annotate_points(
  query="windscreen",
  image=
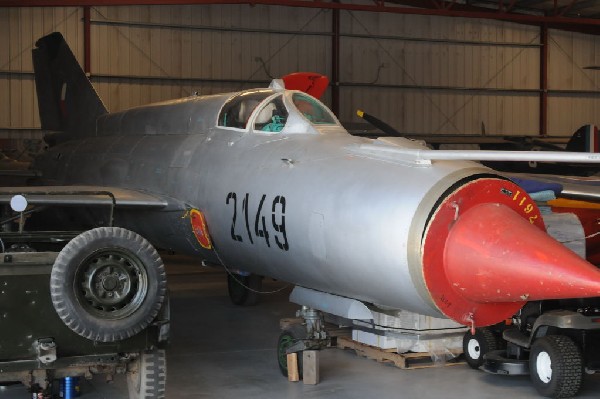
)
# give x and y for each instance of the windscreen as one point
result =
(312, 110)
(237, 111)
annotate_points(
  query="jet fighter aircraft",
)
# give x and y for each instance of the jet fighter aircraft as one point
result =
(267, 182)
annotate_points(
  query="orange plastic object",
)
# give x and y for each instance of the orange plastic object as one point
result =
(569, 203)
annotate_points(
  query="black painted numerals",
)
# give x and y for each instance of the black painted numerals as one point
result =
(233, 198)
(280, 227)
(245, 209)
(261, 230)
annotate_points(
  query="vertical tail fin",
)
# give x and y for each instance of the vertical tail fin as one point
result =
(585, 139)
(67, 100)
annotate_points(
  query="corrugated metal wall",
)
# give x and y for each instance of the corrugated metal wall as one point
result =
(421, 74)
(177, 45)
(19, 29)
(570, 53)
(438, 75)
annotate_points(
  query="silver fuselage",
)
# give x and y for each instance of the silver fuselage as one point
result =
(338, 219)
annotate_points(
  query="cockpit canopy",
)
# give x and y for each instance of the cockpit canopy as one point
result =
(270, 111)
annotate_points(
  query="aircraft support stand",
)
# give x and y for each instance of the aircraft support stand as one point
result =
(303, 336)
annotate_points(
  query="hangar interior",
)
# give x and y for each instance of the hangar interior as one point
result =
(422, 74)
(432, 67)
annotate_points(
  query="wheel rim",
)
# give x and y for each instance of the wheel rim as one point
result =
(284, 343)
(474, 349)
(543, 366)
(111, 284)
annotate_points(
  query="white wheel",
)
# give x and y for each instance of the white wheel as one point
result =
(556, 366)
(474, 349)
(476, 346)
(543, 367)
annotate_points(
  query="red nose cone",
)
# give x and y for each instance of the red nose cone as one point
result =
(492, 254)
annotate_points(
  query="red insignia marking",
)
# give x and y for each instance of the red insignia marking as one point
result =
(199, 229)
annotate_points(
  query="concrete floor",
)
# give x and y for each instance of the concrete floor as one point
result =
(220, 350)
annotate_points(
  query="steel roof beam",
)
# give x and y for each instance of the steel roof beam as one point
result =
(565, 9)
(531, 2)
(583, 4)
(588, 25)
(511, 6)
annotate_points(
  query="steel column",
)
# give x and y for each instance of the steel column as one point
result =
(86, 40)
(544, 80)
(335, 62)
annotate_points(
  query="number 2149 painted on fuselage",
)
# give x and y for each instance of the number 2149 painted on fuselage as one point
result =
(260, 220)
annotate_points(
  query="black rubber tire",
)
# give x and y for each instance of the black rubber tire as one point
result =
(563, 356)
(476, 346)
(108, 284)
(286, 339)
(246, 293)
(147, 376)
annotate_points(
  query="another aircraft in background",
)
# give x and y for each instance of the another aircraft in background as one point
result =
(585, 139)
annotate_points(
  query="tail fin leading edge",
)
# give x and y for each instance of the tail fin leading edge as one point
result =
(67, 100)
(585, 139)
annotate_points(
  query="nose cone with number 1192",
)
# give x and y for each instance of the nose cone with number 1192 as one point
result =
(268, 182)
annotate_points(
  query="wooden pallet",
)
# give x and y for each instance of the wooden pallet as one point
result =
(400, 360)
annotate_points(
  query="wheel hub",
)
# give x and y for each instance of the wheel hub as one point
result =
(112, 284)
(474, 349)
(108, 282)
(543, 365)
